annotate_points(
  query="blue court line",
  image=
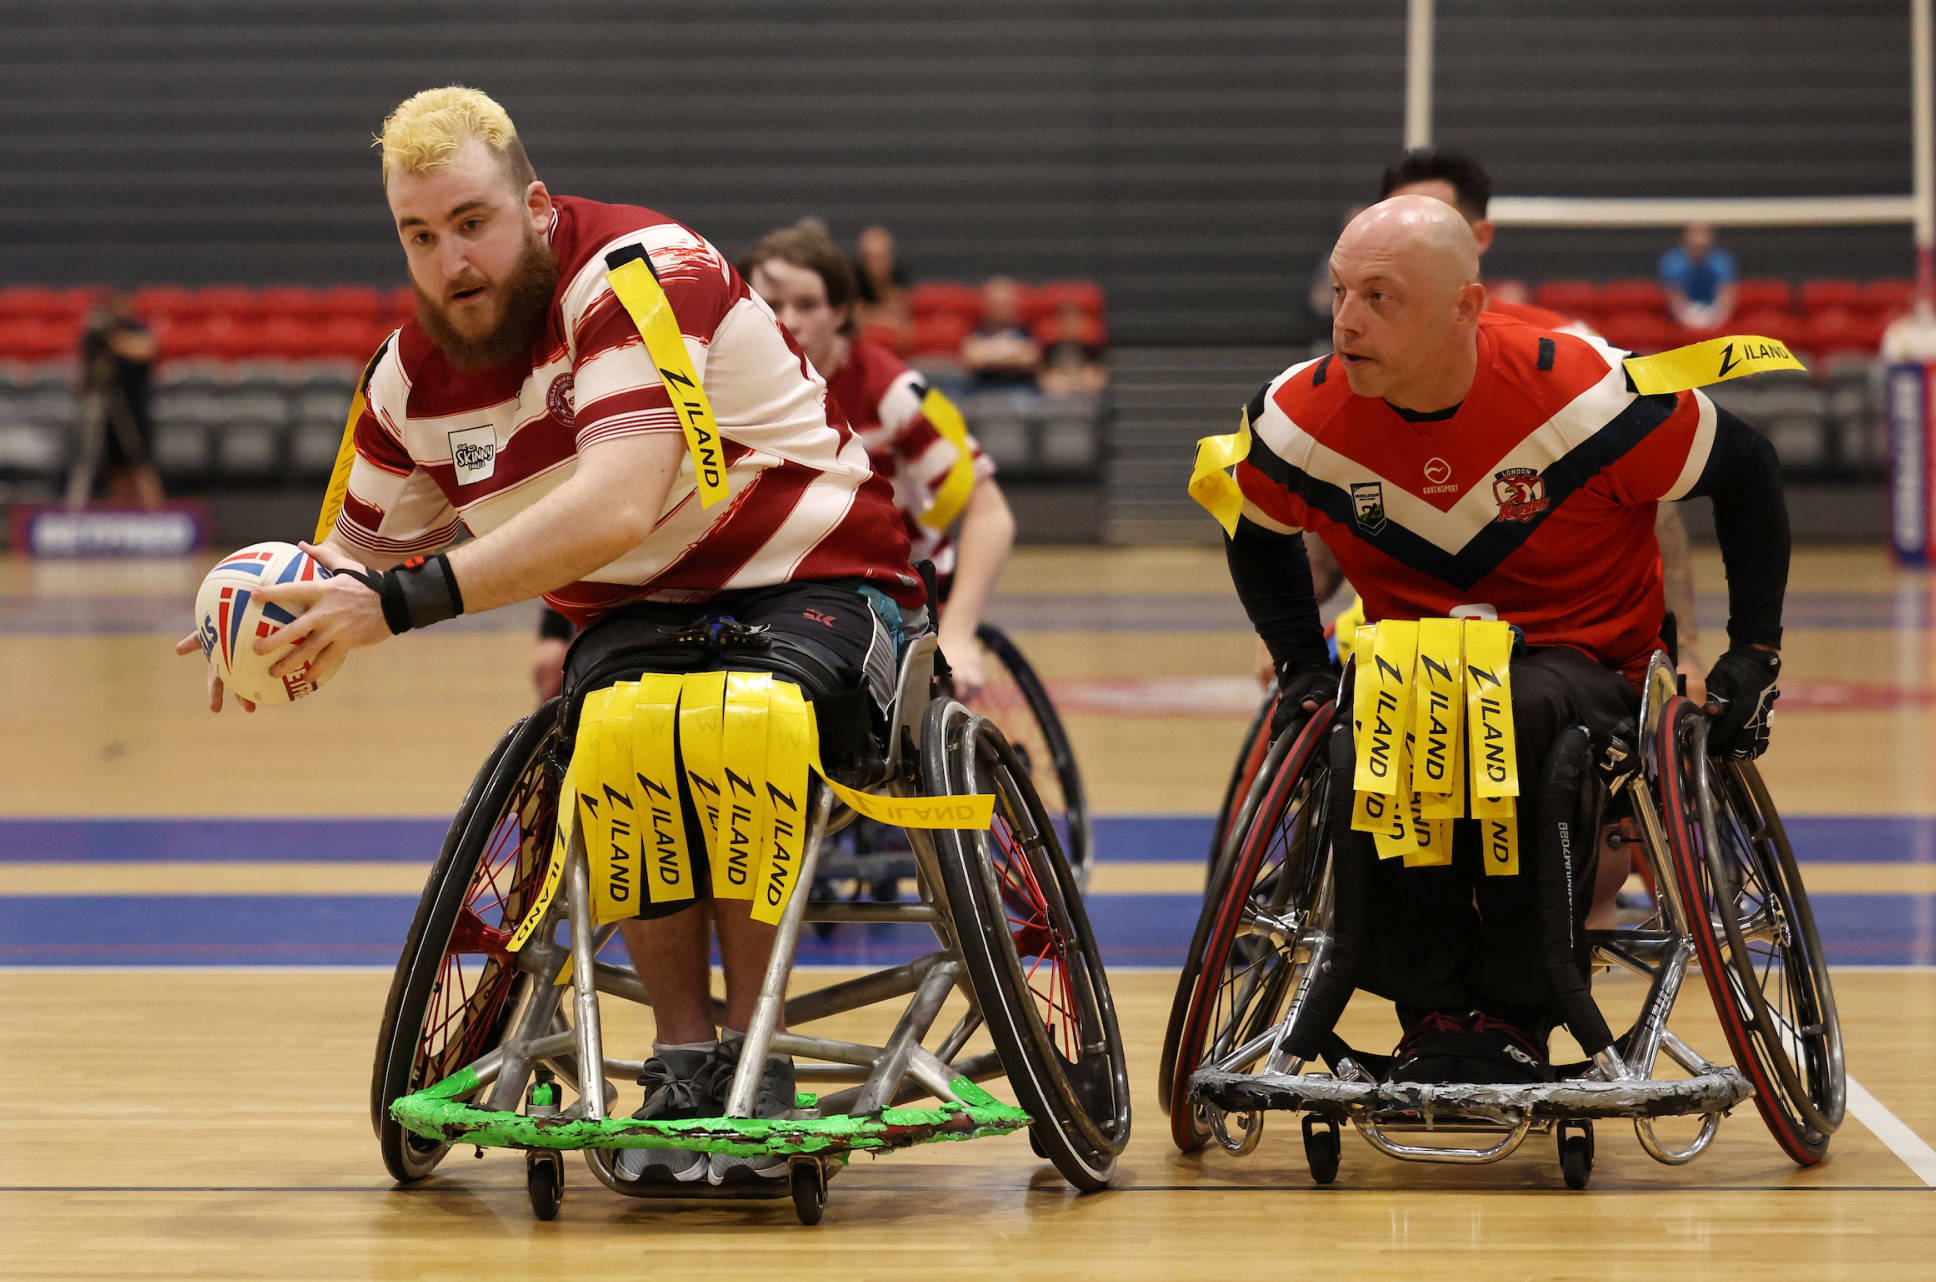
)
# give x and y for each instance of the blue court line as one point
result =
(1906, 839)
(368, 930)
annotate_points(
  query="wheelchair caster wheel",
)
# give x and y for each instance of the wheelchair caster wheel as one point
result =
(1323, 1146)
(1035, 1145)
(809, 1180)
(544, 1179)
(1576, 1153)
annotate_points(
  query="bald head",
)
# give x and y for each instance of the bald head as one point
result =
(1406, 302)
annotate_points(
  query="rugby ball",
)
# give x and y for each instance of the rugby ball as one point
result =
(230, 615)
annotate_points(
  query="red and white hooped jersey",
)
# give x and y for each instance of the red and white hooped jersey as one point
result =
(438, 446)
(1533, 502)
(881, 398)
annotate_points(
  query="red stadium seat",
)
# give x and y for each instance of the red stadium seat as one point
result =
(1084, 294)
(939, 334)
(1888, 297)
(1049, 330)
(1580, 298)
(1638, 331)
(1633, 295)
(1841, 330)
(231, 304)
(1768, 322)
(31, 302)
(346, 339)
(401, 304)
(1829, 295)
(169, 304)
(1764, 294)
(289, 302)
(945, 298)
(185, 340)
(351, 302)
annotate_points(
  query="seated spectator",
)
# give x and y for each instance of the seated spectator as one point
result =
(1072, 364)
(999, 355)
(1700, 279)
(881, 280)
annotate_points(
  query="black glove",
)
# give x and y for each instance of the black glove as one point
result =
(1741, 695)
(1315, 685)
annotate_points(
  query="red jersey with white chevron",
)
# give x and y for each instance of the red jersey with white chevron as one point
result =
(439, 446)
(1532, 502)
(882, 399)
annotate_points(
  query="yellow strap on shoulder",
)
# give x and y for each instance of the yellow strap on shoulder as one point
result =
(646, 303)
(1715, 361)
(655, 738)
(1489, 718)
(339, 474)
(1211, 483)
(955, 488)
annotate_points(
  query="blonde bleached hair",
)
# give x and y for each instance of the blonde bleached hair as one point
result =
(428, 129)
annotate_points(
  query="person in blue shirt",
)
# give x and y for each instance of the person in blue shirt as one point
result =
(1700, 279)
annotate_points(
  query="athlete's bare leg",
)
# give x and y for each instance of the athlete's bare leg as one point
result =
(744, 946)
(672, 958)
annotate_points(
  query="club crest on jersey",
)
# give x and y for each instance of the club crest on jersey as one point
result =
(558, 401)
(473, 453)
(1368, 505)
(1521, 493)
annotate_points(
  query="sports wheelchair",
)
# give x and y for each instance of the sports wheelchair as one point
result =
(472, 1030)
(870, 859)
(1268, 972)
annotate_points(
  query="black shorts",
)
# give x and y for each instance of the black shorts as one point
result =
(837, 643)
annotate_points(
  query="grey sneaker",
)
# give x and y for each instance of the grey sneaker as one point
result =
(775, 1099)
(678, 1085)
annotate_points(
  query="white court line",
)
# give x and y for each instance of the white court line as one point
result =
(1890, 1129)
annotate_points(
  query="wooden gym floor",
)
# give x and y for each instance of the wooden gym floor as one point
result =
(198, 916)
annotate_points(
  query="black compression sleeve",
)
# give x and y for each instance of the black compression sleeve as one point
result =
(1273, 578)
(1743, 477)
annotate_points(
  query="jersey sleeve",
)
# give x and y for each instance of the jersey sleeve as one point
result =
(617, 390)
(394, 508)
(1263, 475)
(1666, 463)
(928, 451)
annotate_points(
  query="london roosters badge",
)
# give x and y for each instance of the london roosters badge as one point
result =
(1521, 493)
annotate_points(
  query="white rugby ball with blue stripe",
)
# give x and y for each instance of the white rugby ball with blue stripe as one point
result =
(230, 616)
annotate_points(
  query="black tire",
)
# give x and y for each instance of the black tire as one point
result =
(544, 1180)
(1576, 1157)
(1250, 762)
(1754, 934)
(493, 861)
(1015, 699)
(1279, 861)
(809, 1187)
(1017, 914)
(1323, 1147)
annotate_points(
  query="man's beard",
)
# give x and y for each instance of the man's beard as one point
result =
(527, 296)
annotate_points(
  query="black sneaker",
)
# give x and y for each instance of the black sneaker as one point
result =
(1431, 1049)
(678, 1085)
(774, 1099)
(1505, 1053)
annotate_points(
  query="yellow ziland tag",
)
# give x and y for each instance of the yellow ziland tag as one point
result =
(742, 763)
(1211, 483)
(1396, 836)
(655, 737)
(1369, 810)
(562, 829)
(702, 711)
(952, 495)
(786, 796)
(1489, 717)
(1438, 699)
(1431, 840)
(1499, 844)
(339, 474)
(1381, 736)
(645, 301)
(1715, 361)
(616, 875)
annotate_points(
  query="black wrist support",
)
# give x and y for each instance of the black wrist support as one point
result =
(416, 594)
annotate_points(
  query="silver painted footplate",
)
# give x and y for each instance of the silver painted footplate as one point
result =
(1394, 1103)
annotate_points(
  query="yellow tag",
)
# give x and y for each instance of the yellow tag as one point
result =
(1371, 812)
(1715, 361)
(1499, 843)
(1397, 837)
(655, 729)
(702, 712)
(562, 829)
(1211, 483)
(639, 291)
(786, 796)
(1451, 806)
(339, 474)
(1381, 737)
(1345, 629)
(742, 758)
(955, 488)
(615, 871)
(1431, 841)
(1488, 693)
(1439, 698)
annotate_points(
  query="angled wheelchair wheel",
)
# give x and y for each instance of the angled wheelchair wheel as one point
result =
(1030, 954)
(1259, 932)
(1250, 758)
(1755, 935)
(1015, 699)
(456, 990)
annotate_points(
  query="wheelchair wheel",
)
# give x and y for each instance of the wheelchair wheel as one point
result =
(1754, 934)
(1258, 930)
(1015, 699)
(455, 989)
(1031, 957)
(1250, 758)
